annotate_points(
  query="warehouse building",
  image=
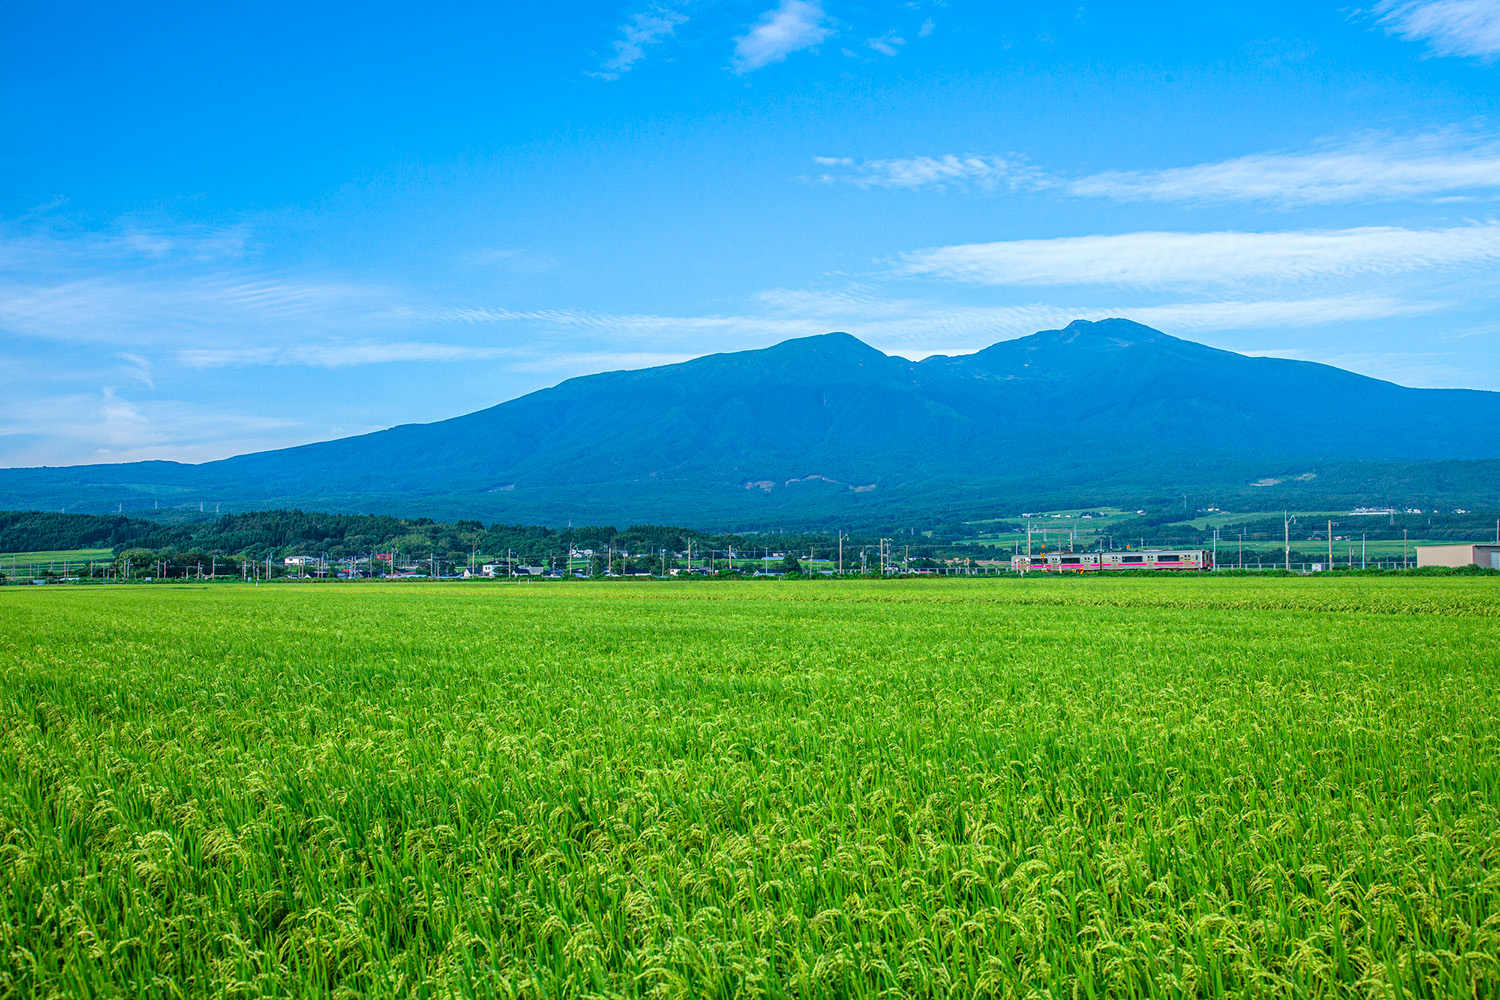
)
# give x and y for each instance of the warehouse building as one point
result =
(1487, 556)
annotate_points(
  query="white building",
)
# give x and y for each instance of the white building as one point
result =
(1486, 556)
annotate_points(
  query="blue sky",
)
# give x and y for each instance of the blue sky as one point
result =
(226, 227)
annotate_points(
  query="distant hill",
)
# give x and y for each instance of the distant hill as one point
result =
(829, 430)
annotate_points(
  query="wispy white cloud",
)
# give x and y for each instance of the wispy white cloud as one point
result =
(1264, 314)
(1449, 27)
(138, 368)
(234, 317)
(140, 310)
(915, 327)
(1373, 167)
(918, 327)
(887, 44)
(529, 358)
(47, 248)
(645, 29)
(336, 355)
(137, 287)
(1167, 259)
(153, 315)
(986, 173)
(107, 426)
(731, 329)
(791, 27)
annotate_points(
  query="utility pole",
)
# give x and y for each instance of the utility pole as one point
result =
(1405, 532)
(1363, 563)
(1330, 545)
(1286, 524)
(841, 553)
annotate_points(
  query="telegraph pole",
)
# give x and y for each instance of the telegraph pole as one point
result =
(1330, 545)
(1286, 524)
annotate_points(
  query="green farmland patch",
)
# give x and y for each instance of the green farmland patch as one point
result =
(967, 788)
(58, 556)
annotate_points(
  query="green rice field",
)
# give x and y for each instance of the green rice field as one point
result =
(1059, 788)
(19, 563)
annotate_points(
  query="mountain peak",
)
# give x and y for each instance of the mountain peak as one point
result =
(1122, 332)
(836, 344)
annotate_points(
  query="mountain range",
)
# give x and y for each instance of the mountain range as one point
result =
(826, 430)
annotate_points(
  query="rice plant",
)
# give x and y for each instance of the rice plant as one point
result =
(1060, 788)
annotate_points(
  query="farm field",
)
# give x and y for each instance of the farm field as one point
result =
(929, 788)
(23, 559)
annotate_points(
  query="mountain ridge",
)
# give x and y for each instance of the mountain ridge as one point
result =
(1110, 408)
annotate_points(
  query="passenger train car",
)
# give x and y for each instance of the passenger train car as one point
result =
(1094, 562)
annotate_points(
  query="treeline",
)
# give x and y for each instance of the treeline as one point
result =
(33, 531)
(260, 535)
(1175, 529)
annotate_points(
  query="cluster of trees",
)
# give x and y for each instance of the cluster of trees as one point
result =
(34, 531)
(224, 543)
(177, 549)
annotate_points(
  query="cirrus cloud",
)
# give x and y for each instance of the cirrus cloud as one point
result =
(1440, 165)
(795, 25)
(986, 173)
(1371, 168)
(1166, 259)
(646, 28)
(1449, 27)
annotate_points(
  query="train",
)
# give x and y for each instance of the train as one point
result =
(1132, 559)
